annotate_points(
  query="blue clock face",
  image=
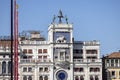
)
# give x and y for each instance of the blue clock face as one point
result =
(61, 75)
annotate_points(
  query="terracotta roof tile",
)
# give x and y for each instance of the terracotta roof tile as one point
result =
(114, 55)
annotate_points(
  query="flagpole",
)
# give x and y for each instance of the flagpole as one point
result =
(11, 2)
(15, 41)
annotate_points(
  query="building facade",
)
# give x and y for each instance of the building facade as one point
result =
(5, 63)
(60, 57)
(111, 66)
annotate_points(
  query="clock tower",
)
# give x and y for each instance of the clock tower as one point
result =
(61, 47)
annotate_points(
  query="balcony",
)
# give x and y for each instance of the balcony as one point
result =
(95, 73)
(79, 73)
(113, 77)
(91, 43)
(5, 74)
(33, 42)
(34, 60)
(87, 60)
(91, 54)
(78, 54)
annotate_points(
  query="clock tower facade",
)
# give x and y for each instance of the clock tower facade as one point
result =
(61, 47)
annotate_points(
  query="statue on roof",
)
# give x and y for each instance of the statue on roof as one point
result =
(59, 17)
(54, 19)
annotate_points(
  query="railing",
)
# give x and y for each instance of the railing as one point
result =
(113, 77)
(86, 60)
(63, 25)
(7, 50)
(78, 54)
(5, 74)
(115, 65)
(94, 73)
(34, 60)
(79, 73)
(91, 54)
(94, 42)
(33, 42)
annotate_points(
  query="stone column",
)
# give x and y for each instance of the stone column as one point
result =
(6, 67)
(36, 72)
(0, 67)
(118, 62)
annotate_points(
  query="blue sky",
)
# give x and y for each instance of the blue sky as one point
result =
(92, 19)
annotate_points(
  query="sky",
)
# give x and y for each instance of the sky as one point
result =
(91, 19)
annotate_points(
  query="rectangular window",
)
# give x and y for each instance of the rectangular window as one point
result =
(29, 57)
(45, 57)
(91, 51)
(44, 50)
(113, 74)
(91, 69)
(77, 57)
(9, 67)
(116, 62)
(78, 51)
(29, 69)
(107, 62)
(81, 69)
(119, 63)
(67, 57)
(24, 69)
(46, 69)
(39, 50)
(40, 57)
(112, 62)
(76, 69)
(24, 50)
(97, 69)
(92, 57)
(119, 74)
(62, 56)
(56, 57)
(3, 67)
(30, 51)
(29, 77)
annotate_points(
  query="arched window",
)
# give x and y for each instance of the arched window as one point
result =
(96, 78)
(46, 78)
(97, 69)
(29, 77)
(81, 78)
(81, 69)
(24, 77)
(3, 67)
(91, 77)
(91, 69)
(9, 67)
(76, 78)
(40, 78)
